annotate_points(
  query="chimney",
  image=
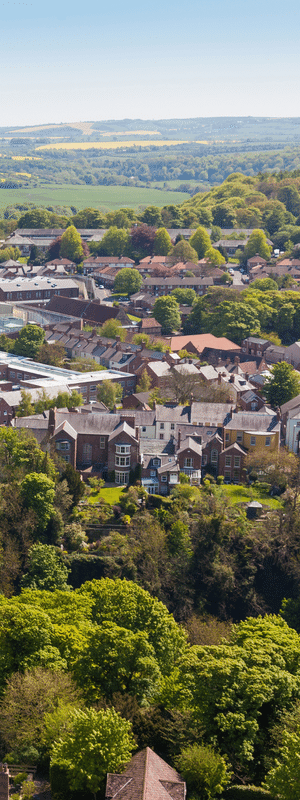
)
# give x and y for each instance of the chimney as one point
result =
(278, 414)
(219, 362)
(247, 376)
(52, 421)
(231, 379)
(179, 438)
(191, 399)
(219, 377)
(236, 359)
(137, 432)
(231, 412)
(228, 361)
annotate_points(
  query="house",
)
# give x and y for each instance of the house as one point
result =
(146, 777)
(255, 346)
(292, 354)
(256, 261)
(232, 463)
(149, 326)
(253, 431)
(189, 455)
(90, 311)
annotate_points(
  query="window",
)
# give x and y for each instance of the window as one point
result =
(188, 462)
(162, 425)
(156, 462)
(123, 449)
(227, 475)
(253, 440)
(172, 426)
(102, 442)
(152, 473)
(268, 441)
(161, 436)
(227, 461)
(122, 477)
(214, 457)
(87, 453)
(164, 478)
(237, 461)
(144, 429)
(122, 461)
(93, 388)
(227, 437)
(62, 445)
(239, 436)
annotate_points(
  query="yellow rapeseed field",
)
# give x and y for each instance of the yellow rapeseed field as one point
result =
(26, 158)
(109, 145)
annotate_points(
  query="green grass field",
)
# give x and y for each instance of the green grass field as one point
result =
(243, 494)
(110, 494)
(106, 198)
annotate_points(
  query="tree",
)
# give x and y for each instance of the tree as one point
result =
(71, 244)
(118, 660)
(29, 341)
(257, 245)
(20, 454)
(152, 216)
(182, 251)
(110, 393)
(214, 257)
(162, 242)
(204, 770)
(264, 285)
(108, 745)
(75, 485)
(284, 779)
(282, 385)
(200, 241)
(142, 240)
(53, 354)
(115, 242)
(128, 280)
(45, 569)
(144, 383)
(184, 296)
(235, 320)
(27, 699)
(166, 312)
(182, 384)
(88, 218)
(25, 408)
(38, 493)
(112, 328)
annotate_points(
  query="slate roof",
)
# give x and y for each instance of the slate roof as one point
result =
(146, 777)
(256, 421)
(85, 309)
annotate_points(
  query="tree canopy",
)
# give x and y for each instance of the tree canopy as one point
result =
(282, 385)
(128, 280)
(166, 311)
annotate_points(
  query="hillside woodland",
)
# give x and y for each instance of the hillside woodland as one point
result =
(182, 620)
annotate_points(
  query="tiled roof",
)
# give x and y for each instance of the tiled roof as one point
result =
(147, 777)
(202, 340)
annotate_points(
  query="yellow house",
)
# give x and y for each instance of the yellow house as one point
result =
(254, 431)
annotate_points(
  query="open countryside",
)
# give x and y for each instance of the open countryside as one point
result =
(110, 145)
(106, 197)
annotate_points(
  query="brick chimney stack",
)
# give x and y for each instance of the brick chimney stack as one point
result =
(52, 421)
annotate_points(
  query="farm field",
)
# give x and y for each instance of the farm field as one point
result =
(111, 145)
(103, 197)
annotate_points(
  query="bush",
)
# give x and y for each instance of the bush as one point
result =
(19, 778)
(204, 770)
(247, 793)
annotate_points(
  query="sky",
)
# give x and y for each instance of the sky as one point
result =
(70, 61)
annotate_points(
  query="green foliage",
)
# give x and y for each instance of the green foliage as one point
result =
(284, 779)
(283, 384)
(257, 245)
(45, 569)
(112, 328)
(38, 492)
(166, 311)
(71, 245)
(27, 699)
(114, 243)
(110, 393)
(264, 285)
(200, 241)
(184, 296)
(128, 280)
(108, 745)
(247, 793)
(29, 341)
(144, 382)
(25, 409)
(183, 251)
(162, 242)
(204, 770)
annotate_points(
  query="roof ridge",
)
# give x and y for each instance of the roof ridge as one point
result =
(145, 774)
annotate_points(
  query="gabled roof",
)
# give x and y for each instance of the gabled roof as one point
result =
(146, 777)
(202, 340)
(123, 428)
(65, 427)
(190, 444)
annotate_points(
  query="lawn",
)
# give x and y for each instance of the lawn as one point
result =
(110, 494)
(243, 494)
(134, 319)
(106, 198)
